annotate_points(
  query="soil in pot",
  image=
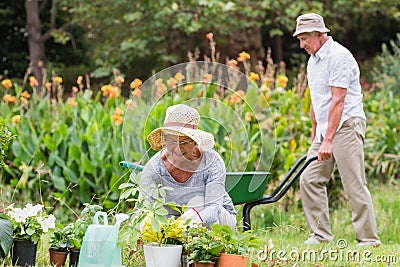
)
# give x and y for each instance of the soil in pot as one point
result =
(203, 264)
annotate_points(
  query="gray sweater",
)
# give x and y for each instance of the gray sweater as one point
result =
(207, 181)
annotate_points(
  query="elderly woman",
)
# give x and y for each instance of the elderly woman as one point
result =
(187, 163)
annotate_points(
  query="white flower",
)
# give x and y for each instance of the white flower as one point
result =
(47, 223)
(19, 215)
(32, 210)
(120, 217)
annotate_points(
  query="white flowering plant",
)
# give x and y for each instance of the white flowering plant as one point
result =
(30, 222)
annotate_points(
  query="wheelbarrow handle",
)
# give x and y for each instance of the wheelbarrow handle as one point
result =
(131, 166)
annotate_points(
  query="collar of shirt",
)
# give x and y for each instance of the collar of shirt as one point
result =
(324, 50)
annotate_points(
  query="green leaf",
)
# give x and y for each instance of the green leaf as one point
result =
(58, 180)
(70, 174)
(86, 163)
(6, 237)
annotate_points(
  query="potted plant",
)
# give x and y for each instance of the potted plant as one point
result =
(161, 236)
(236, 245)
(76, 231)
(28, 223)
(201, 246)
(59, 243)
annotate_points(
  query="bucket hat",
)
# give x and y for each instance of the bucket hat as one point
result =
(181, 120)
(310, 23)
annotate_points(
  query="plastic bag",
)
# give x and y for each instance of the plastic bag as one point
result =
(99, 247)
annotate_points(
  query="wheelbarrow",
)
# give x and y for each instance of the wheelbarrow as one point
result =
(248, 188)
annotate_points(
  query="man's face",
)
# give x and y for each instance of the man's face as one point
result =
(311, 42)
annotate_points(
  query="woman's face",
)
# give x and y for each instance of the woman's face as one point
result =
(179, 147)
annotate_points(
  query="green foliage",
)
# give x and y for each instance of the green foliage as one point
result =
(5, 139)
(387, 70)
(149, 217)
(73, 233)
(75, 149)
(59, 240)
(235, 241)
(382, 144)
(6, 235)
(201, 245)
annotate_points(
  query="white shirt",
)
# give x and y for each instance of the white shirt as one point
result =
(333, 65)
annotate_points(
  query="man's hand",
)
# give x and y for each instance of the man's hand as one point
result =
(325, 151)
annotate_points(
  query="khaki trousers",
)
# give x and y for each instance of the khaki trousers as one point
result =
(348, 155)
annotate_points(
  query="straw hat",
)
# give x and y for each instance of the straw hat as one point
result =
(181, 120)
(310, 23)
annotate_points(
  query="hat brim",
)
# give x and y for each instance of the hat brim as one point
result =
(203, 139)
(311, 29)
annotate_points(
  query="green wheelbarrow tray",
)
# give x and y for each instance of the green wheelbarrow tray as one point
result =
(248, 188)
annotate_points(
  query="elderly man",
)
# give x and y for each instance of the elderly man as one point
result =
(338, 131)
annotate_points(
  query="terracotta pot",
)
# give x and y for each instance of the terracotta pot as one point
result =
(230, 260)
(203, 264)
(73, 257)
(58, 258)
(23, 253)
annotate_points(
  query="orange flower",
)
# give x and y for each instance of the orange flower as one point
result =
(207, 78)
(25, 94)
(137, 93)
(79, 80)
(118, 111)
(72, 102)
(119, 79)
(188, 87)
(33, 82)
(254, 76)
(57, 79)
(9, 98)
(172, 82)
(282, 80)
(210, 36)
(136, 83)
(106, 89)
(16, 119)
(243, 56)
(23, 100)
(161, 89)
(199, 93)
(237, 97)
(179, 76)
(117, 119)
(113, 91)
(130, 104)
(6, 83)
(232, 63)
(48, 86)
(158, 81)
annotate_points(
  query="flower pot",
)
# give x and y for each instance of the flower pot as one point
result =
(203, 264)
(73, 257)
(229, 260)
(165, 256)
(58, 258)
(23, 253)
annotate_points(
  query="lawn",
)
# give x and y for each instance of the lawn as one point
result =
(282, 229)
